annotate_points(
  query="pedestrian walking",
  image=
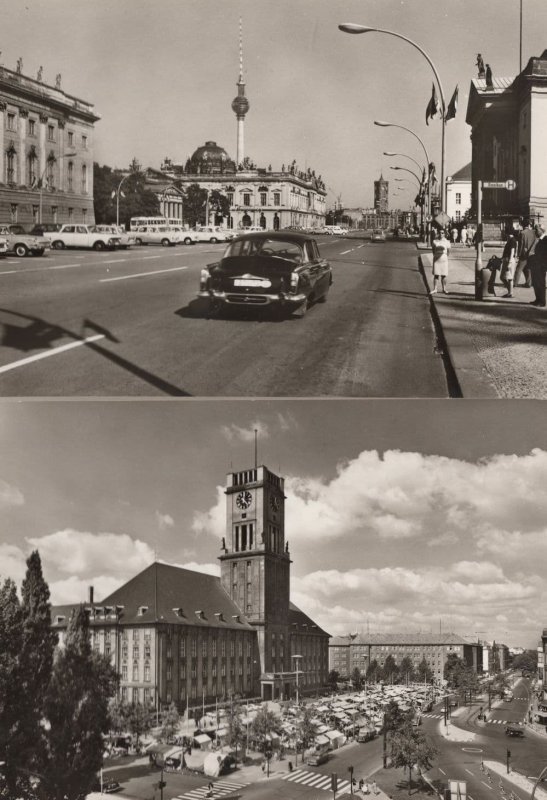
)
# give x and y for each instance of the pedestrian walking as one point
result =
(454, 234)
(441, 249)
(374, 787)
(508, 262)
(463, 235)
(526, 242)
(539, 265)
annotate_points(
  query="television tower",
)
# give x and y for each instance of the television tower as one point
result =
(240, 104)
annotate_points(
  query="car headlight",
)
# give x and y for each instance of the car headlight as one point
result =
(294, 281)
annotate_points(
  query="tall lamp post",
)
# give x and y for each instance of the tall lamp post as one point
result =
(421, 187)
(118, 192)
(383, 124)
(297, 659)
(351, 27)
(41, 184)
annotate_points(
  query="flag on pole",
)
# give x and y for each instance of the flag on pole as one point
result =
(113, 194)
(452, 106)
(432, 107)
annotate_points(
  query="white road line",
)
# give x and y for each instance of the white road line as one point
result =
(61, 266)
(346, 252)
(359, 246)
(9, 272)
(141, 274)
(145, 257)
(442, 770)
(486, 784)
(469, 771)
(56, 350)
(114, 261)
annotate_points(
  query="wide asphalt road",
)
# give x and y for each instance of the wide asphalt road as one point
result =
(77, 323)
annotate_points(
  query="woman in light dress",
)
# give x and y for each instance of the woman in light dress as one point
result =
(508, 264)
(441, 249)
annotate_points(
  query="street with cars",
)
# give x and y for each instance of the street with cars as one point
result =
(86, 323)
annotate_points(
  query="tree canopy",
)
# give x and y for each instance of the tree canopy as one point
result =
(264, 724)
(135, 198)
(410, 747)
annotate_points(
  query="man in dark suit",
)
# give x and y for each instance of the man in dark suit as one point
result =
(539, 265)
(527, 238)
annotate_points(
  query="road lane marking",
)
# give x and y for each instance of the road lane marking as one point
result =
(9, 272)
(346, 252)
(145, 257)
(61, 266)
(56, 350)
(442, 770)
(486, 784)
(141, 274)
(39, 269)
(469, 771)
(359, 246)
(114, 261)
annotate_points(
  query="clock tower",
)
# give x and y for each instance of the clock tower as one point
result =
(255, 564)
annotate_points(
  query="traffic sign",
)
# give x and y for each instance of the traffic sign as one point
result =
(428, 218)
(510, 184)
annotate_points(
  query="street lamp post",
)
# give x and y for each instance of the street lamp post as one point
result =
(297, 657)
(41, 183)
(353, 28)
(118, 190)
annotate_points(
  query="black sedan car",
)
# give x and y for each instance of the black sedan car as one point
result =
(282, 269)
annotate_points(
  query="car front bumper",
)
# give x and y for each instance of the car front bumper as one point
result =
(255, 299)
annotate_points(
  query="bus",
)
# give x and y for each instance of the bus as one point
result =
(143, 222)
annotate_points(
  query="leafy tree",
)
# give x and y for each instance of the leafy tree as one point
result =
(356, 678)
(139, 720)
(194, 204)
(423, 672)
(527, 661)
(264, 724)
(406, 670)
(373, 671)
(307, 729)
(395, 718)
(170, 721)
(11, 631)
(469, 683)
(76, 710)
(333, 678)
(454, 669)
(390, 669)
(409, 747)
(219, 206)
(501, 683)
(136, 200)
(237, 731)
(118, 711)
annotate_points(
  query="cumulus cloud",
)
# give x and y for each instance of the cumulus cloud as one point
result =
(236, 433)
(213, 521)
(208, 569)
(12, 562)
(83, 553)
(164, 520)
(10, 495)
(75, 589)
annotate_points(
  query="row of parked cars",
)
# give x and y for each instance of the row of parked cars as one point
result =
(14, 239)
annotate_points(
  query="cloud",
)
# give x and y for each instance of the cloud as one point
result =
(164, 521)
(236, 433)
(12, 563)
(10, 495)
(76, 589)
(85, 554)
(213, 521)
(208, 569)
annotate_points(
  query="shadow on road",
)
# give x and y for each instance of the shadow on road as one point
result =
(511, 323)
(41, 335)
(199, 309)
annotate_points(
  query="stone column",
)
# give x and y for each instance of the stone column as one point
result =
(42, 145)
(3, 107)
(23, 115)
(61, 134)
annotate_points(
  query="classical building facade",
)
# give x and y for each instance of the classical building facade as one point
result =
(458, 193)
(46, 141)
(176, 635)
(508, 122)
(361, 650)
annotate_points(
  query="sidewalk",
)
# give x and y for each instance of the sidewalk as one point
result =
(497, 347)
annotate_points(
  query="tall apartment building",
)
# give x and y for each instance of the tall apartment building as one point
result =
(46, 141)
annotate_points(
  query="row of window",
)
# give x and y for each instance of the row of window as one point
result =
(11, 125)
(14, 217)
(49, 175)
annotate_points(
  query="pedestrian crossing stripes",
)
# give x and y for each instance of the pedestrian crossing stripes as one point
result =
(220, 789)
(504, 722)
(315, 780)
(433, 716)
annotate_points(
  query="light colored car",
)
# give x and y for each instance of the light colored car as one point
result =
(3, 247)
(378, 235)
(157, 234)
(315, 759)
(84, 236)
(126, 238)
(22, 243)
(212, 234)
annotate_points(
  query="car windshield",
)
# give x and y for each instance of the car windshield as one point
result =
(16, 229)
(269, 248)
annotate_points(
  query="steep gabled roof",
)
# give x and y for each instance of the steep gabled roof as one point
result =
(410, 639)
(301, 623)
(463, 174)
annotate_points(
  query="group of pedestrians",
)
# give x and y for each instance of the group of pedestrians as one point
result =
(523, 256)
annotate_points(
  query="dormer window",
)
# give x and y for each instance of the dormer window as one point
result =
(179, 612)
(59, 618)
(200, 614)
(236, 617)
(142, 611)
(220, 616)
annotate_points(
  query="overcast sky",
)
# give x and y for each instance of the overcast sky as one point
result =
(400, 515)
(162, 76)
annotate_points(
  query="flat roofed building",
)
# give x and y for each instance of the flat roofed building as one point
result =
(46, 142)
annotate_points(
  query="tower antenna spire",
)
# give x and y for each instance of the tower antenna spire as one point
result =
(240, 104)
(240, 50)
(256, 448)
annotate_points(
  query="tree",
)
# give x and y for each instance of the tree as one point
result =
(527, 661)
(76, 710)
(11, 631)
(423, 672)
(356, 678)
(219, 206)
(390, 669)
(195, 199)
(264, 724)
(170, 721)
(333, 678)
(138, 721)
(237, 731)
(373, 670)
(307, 729)
(454, 669)
(135, 198)
(410, 747)
(406, 670)
(118, 711)
(501, 683)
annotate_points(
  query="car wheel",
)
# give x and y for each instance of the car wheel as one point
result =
(39, 252)
(58, 245)
(323, 298)
(98, 246)
(188, 240)
(20, 250)
(165, 242)
(139, 242)
(213, 240)
(301, 310)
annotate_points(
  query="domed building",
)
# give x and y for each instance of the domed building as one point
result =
(210, 159)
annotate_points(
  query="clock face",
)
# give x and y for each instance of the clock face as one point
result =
(274, 502)
(244, 499)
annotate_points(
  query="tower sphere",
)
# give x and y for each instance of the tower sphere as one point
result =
(240, 105)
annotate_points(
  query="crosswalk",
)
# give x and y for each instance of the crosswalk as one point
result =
(433, 716)
(315, 780)
(503, 722)
(220, 789)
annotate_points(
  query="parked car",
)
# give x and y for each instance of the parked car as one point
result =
(315, 759)
(3, 247)
(366, 734)
(157, 234)
(107, 787)
(282, 269)
(22, 243)
(377, 235)
(511, 730)
(212, 233)
(172, 763)
(45, 227)
(86, 236)
(126, 239)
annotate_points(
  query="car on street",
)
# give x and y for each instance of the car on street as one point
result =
(512, 730)
(107, 786)
(3, 246)
(45, 227)
(316, 759)
(157, 234)
(126, 238)
(378, 235)
(21, 243)
(281, 269)
(83, 236)
(212, 234)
